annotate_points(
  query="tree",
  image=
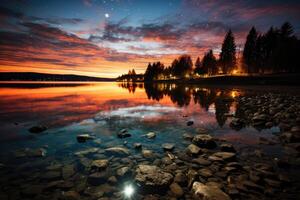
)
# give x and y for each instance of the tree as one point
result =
(198, 67)
(227, 55)
(183, 66)
(154, 71)
(249, 50)
(209, 63)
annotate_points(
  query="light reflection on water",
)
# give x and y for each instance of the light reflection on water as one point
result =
(103, 109)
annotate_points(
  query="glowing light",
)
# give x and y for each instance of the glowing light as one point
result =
(234, 94)
(128, 191)
(106, 15)
(235, 71)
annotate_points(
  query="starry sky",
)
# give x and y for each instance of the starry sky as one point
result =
(106, 38)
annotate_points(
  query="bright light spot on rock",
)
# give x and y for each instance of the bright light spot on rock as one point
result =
(106, 15)
(128, 191)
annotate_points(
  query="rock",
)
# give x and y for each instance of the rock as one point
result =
(37, 129)
(205, 172)
(71, 195)
(204, 141)
(98, 178)
(225, 156)
(123, 134)
(176, 190)
(180, 178)
(237, 123)
(99, 164)
(152, 178)
(193, 149)
(150, 135)
(68, 171)
(51, 175)
(41, 152)
(168, 146)
(189, 123)
(84, 137)
(87, 151)
(166, 161)
(290, 137)
(227, 148)
(201, 161)
(201, 131)
(147, 153)
(118, 150)
(192, 175)
(137, 145)
(112, 179)
(123, 171)
(187, 136)
(205, 192)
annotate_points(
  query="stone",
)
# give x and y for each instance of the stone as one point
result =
(150, 135)
(176, 190)
(123, 134)
(201, 161)
(191, 176)
(112, 179)
(189, 123)
(51, 175)
(99, 164)
(227, 148)
(86, 151)
(118, 150)
(180, 178)
(137, 145)
(225, 156)
(187, 136)
(98, 178)
(237, 123)
(147, 153)
(204, 141)
(71, 195)
(168, 146)
(152, 178)
(123, 171)
(201, 131)
(193, 149)
(205, 172)
(37, 129)
(68, 171)
(205, 192)
(84, 137)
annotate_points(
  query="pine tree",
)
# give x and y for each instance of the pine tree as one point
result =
(249, 50)
(227, 55)
(209, 63)
(198, 67)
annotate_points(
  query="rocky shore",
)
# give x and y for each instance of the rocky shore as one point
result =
(208, 168)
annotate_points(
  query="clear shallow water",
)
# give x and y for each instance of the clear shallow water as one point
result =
(103, 109)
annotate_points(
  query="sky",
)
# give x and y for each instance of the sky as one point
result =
(106, 38)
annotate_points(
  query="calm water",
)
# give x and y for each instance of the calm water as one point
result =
(102, 110)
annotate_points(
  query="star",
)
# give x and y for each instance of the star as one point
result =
(106, 15)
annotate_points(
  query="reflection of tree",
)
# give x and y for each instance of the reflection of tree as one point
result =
(222, 106)
(180, 95)
(204, 97)
(131, 86)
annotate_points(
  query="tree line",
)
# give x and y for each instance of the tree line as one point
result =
(272, 52)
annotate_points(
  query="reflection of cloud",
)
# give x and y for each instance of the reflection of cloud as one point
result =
(143, 112)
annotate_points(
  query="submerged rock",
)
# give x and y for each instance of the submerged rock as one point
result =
(99, 164)
(68, 171)
(168, 146)
(37, 129)
(84, 137)
(206, 192)
(227, 147)
(204, 141)
(87, 151)
(176, 190)
(225, 156)
(123, 134)
(152, 178)
(150, 135)
(118, 150)
(189, 123)
(137, 145)
(123, 171)
(147, 153)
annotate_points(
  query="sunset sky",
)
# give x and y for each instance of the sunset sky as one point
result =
(106, 38)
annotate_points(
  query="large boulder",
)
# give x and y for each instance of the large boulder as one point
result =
(204, 141)
(207, 192)
(152, 178)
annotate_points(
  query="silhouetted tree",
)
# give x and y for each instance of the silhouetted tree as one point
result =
(154, 71)
(182, 67)
(209, 63)
(198, 67)
(249, 50)
(227, 55)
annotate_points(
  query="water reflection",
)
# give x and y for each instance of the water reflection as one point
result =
(220, 102)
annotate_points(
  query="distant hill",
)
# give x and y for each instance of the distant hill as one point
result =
(31, 76)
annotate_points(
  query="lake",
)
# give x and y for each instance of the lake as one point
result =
(117, 117)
